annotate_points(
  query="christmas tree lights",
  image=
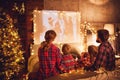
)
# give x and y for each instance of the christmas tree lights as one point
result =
(11, 52)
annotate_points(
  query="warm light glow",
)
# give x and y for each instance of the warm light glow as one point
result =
(34, 27)
(32, 53)
(17, 60)
(99, 2)
(80, 48)
(92, 40)
(87, 39)
(65, 23)
(11, 51)
(68, 27)
(110, 28)
(70, 72)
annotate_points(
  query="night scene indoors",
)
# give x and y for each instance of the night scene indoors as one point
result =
(59, 39)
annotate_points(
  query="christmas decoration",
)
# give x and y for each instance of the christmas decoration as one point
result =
(11, 52)
(85, 27)
(20, 9)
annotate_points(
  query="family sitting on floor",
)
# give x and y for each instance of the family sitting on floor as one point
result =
(52, 62)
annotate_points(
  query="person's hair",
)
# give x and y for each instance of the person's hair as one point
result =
(50, 35)
(103, 34)
(93, 50)
(64, 48)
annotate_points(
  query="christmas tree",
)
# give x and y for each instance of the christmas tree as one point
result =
(11, 52)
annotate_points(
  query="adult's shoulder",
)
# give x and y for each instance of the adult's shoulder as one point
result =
(54, 46)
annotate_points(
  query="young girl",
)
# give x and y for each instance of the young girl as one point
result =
(49, 57)
(68, 59)
(90, 59)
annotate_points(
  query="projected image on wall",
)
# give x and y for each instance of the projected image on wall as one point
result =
(65, 23)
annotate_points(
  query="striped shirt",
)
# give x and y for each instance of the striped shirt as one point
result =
(69, 62)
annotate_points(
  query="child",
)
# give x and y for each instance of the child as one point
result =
(90, 59)
(85, 59)
(49, 56)
(68, 59)
(93, 51)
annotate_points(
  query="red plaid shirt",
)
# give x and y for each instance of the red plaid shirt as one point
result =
(69, 62)
(85, 59)
(105, 57)
(50, 61)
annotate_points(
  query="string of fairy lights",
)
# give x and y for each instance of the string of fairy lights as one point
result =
(84, 28)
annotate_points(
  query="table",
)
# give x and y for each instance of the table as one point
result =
(74, 75)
